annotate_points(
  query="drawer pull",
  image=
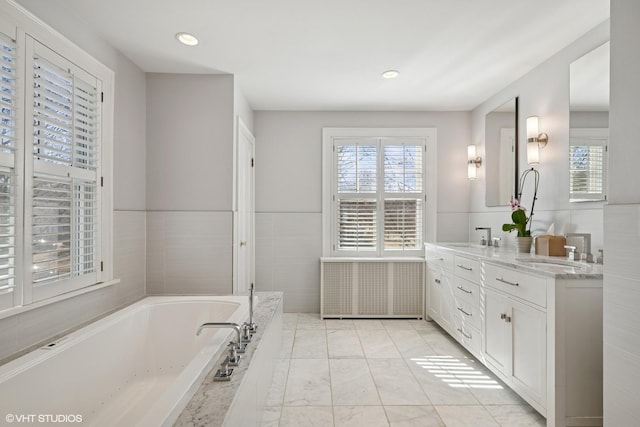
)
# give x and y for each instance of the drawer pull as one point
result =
(466, 291)
(467, 336)
(500, 279)
(464, 267)
(439, 259)
(460, 309)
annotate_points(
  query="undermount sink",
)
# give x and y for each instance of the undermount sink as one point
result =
(464, 245)
(545, 262)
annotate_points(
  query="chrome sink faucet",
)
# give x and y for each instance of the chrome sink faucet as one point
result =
(488, 241)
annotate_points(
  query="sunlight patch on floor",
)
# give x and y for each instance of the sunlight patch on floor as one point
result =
(456, 372)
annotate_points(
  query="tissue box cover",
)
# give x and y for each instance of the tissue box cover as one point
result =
(550, 245)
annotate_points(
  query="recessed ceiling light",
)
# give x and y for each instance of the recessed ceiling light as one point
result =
(186, 38)
(390, 74)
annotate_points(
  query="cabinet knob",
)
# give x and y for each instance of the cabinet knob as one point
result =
(507, 319)
(503, 315)
(437, 280)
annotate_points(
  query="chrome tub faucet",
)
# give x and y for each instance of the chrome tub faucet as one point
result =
(240, 346)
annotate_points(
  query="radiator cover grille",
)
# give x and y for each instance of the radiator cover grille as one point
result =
(372, 288)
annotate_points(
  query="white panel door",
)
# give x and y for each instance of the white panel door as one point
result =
(245, 245)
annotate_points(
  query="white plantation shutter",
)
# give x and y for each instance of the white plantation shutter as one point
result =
(402, 224)
(378, 195)
(357, 224)
(587, 164)
(8, 143)
(403, 186)
(65, 201)
(356, 166)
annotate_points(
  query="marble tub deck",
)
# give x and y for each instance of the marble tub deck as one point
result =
(213, 399)
(374, 373)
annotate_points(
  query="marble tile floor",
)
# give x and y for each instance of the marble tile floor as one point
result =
(370, 373)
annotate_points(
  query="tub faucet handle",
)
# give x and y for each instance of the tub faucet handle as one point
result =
(234, 357)
(224, 373)
(246, 332)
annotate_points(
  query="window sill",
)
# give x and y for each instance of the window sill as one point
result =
(24, 308)
(372, 259)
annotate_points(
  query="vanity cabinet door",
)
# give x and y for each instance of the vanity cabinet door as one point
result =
(434, 293)
(497, 331)
(529, 347)
(440, 301)
(447, 303)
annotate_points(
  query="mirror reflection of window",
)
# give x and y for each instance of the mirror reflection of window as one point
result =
(588, 164)
(589, 125)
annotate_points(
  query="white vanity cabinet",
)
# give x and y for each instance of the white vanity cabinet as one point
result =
(515, 343)
(439, 288)
(537, 325)
(543, 337)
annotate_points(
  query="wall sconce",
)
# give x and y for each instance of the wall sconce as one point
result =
(473, 162)
(535, 140)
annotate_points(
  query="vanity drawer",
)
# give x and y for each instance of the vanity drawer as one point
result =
(468, 336)
(444, 259)
(467, 291)
(467, 314)
(522, 285)
(467, 268)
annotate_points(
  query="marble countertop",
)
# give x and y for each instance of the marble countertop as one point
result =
(209, 406)
(548, 266)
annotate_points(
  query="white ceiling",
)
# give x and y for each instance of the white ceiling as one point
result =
(329, 54)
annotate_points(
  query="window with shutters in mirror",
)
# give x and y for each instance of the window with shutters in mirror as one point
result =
(588, 164)
(378, 194)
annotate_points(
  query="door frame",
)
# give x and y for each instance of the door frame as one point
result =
(242, 131)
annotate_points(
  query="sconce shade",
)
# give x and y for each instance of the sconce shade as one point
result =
(532, 128)
(473, 162)
(533, 152)
(535, 140)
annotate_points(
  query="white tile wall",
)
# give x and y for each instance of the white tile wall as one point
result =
(129, 255)
(621, 324)
(564, 221)
(452, 227)
(288, 251)
(189, 252)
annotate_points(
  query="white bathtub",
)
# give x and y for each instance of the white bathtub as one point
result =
(137, 367)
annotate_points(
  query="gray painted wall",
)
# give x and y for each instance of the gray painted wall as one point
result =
(289, 191)
(543, 92)
(189, 164)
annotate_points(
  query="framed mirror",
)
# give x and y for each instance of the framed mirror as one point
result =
(589, 125)
(501, 153)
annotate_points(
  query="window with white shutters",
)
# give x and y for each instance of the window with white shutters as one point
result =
(8, 143)
(55, 166)
(587, 164)
(378, 195)
(64, 228)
